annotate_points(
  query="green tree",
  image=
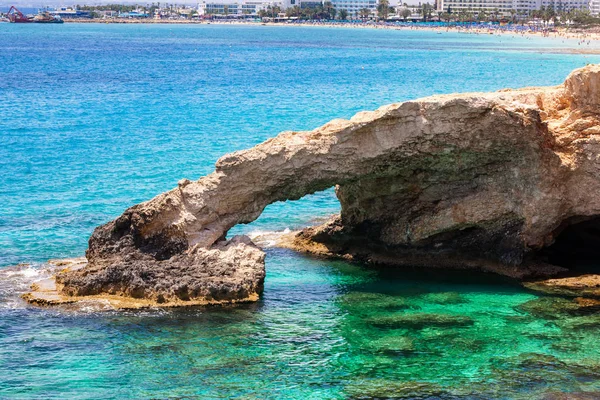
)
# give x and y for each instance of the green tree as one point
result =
(328, 10)
(293, 12)
(548, 14)
(481, 15)
(495, 13)
(343, 14)
(383, 9)
(405, 13)
(445, 16)
(426, 11)
(364, 13)
(270, 11)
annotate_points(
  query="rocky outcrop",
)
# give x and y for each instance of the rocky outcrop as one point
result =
(482, 180)
(230, 271)
(584, 285)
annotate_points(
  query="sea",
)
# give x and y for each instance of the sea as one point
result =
(97, 117)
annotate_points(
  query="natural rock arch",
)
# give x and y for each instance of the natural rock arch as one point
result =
(473, 178)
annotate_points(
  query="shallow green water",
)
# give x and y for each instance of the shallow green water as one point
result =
(323, 329)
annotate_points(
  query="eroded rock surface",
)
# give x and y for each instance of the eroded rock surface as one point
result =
(576, 286)
(477, 180)
(228, 271)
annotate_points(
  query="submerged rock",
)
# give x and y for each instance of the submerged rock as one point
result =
(479, 180)
(392, 344)
(549, 307)
(365, 302)
(394, 389)
(446, 298)
(420, 321)
(572, 396)
(531, 371)
(584, 322)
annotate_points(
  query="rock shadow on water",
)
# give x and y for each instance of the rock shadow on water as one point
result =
(392, 344)
(445, 298)
(466, 344)
(369, 303)
(579, 323)
(572, 396)
(396, 389)
(552, 308)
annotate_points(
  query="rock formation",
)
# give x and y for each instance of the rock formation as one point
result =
(481, 180)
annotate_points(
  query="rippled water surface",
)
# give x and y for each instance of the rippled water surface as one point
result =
(96, 118)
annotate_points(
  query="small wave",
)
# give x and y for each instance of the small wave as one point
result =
(17, 280)
(26, 271)
(266, 239)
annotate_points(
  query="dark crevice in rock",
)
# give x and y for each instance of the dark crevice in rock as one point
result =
(576, 245)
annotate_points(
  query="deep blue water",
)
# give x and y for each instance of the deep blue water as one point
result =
(96, 118)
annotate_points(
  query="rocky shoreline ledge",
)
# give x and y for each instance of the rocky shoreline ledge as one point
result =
(49, 292)
(502, 182)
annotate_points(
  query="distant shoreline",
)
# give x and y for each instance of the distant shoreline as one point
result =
(585, 38)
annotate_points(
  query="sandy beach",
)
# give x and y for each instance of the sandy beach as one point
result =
(584, 37)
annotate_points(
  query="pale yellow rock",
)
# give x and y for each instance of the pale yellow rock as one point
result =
(466, 179)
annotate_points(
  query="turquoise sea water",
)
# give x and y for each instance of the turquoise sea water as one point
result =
(96, 118)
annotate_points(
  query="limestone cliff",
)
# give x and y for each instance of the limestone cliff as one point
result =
(474, 179)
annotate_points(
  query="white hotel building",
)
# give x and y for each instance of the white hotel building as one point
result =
(504, 7)
(249, 7)
(521, 6)
(354, 6)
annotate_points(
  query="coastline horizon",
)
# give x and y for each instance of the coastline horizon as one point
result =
(582, 35)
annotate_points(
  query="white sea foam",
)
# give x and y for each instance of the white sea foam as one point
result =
(266, 239)
(16, 280)
(26, 271)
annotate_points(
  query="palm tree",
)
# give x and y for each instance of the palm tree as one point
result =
(364, 13)
(343, 14)
(548, 14)
(481, 15)
(275, 10)
(445, 16)
(293, 11)
(383, 9)
(328, 10)
(427, 10)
